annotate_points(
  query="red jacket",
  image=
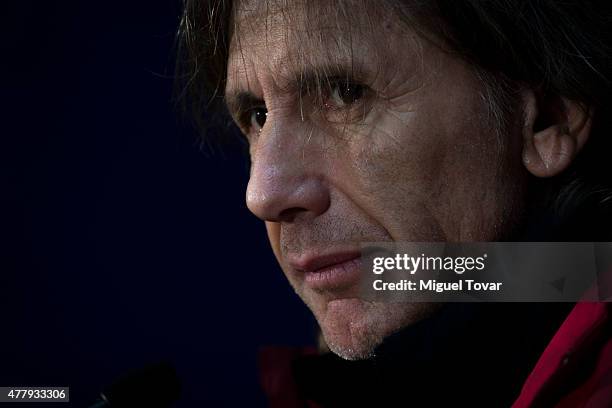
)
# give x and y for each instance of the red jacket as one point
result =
(582, 342)
(582, 345)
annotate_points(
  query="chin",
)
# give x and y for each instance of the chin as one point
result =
(354, 328)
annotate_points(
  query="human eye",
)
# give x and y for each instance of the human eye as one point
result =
(252, 119)
(257, 118)
(344, 93)
(345, 100)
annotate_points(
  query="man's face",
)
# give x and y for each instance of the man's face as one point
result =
(362, 131)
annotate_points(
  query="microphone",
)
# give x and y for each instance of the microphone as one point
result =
(153, 386)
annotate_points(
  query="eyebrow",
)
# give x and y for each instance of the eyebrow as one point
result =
(303, 81)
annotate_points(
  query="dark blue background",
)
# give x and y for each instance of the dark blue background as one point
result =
(123, 243)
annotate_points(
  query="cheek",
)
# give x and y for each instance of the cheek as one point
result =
(273, 230)
(395, 175)
(424, 175)
(402, 149)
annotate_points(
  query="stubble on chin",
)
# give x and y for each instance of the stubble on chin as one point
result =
(353, 328)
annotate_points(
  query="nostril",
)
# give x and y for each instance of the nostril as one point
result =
(289, 214)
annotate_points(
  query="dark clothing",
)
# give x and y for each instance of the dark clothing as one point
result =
(465, 355)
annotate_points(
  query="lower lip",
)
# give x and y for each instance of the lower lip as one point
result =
(337, 276)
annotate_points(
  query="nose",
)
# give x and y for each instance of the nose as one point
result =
(286, 176)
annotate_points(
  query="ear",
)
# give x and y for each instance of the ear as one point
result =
(555, 130)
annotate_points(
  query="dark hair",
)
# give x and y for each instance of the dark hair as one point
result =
(560, 48)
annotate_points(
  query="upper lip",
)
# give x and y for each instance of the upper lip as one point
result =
(311, 262)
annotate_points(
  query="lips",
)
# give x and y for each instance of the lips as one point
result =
(329, 271)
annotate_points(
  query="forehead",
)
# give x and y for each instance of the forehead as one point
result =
(305, 17)
(284, 37)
